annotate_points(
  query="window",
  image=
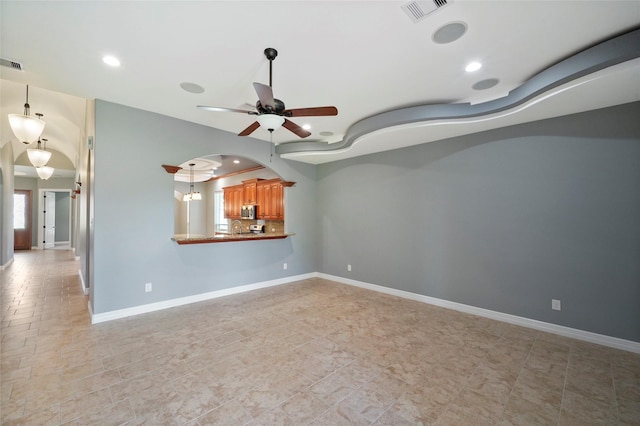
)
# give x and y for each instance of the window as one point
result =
(19, 211)
(220, 224)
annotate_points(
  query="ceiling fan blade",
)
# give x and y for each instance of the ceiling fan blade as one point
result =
(290, 125)
(311, 112)
(250, 129)
(265, 94)
(218, 109)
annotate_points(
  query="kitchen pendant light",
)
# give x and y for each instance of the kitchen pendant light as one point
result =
(45, 172)
(26, 128)
(192, 195)
(39, 156)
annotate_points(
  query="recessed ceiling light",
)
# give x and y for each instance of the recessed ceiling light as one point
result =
(111, 61)
(473, 66)
(306, 126)
(236, 161)
(326, 133)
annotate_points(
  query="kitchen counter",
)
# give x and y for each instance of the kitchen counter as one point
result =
(227, 238)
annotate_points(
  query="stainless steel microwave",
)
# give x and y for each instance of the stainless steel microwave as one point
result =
(248, 212)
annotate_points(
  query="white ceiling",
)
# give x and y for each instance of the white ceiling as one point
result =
(364, 57)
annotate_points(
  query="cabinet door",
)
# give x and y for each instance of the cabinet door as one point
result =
(277, 201)
(260, 200)
(232, 201)
(249, 193)
(228, 200)
(267, 202)
(237, 205)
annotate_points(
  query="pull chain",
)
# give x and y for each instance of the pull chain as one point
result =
(271, 148)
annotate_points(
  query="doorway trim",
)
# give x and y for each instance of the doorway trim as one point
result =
(41, 204)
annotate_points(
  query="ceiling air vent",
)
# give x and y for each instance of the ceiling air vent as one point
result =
(11, 64)
(418, 10)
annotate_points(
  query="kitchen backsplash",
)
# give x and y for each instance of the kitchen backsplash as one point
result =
(270, 226)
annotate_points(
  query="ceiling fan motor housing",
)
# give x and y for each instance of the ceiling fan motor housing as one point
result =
(279, 108)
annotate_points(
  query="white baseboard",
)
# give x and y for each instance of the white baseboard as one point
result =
(151, 307)
(85, 289)
(6, 265)
(586, 336)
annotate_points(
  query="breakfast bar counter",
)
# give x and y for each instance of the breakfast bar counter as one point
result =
(227, 238)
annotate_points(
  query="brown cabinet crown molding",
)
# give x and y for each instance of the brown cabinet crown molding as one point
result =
(171, 169)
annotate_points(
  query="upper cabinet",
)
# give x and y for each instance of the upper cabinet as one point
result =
(233, 200)
(249, 191)
(267, 195)
(270, 195)
(272, 206)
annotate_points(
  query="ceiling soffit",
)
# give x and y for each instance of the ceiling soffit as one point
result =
(607, 54)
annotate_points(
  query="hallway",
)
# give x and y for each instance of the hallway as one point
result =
(311, 352)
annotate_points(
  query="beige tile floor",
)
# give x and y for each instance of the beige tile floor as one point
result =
(313, 352)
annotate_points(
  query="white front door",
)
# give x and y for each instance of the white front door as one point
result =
(49, 219)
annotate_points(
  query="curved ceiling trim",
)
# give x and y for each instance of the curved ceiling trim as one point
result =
(617, 50)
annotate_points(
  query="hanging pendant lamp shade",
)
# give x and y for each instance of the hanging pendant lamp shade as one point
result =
(192, 195)
(38, 157)
(26, 128)
(45, 172)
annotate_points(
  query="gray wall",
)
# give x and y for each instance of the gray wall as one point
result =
(504, 220)
(133, 201)
(6, 204)
(63, 213)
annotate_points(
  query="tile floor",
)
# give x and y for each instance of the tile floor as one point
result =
(313, 352)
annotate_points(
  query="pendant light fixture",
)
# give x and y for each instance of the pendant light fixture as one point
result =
(192, 195)
(39, 156)
(26, 128)
(45, 172)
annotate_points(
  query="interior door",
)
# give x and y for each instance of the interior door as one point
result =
(22, 220)
(49, 219)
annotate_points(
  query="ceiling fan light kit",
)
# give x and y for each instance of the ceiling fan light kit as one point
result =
(26, 128)
(272, 113)
(270, 122)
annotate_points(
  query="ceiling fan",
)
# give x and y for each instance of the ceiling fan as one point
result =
(272, 112)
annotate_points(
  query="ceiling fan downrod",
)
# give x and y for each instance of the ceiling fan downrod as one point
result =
(271, 54)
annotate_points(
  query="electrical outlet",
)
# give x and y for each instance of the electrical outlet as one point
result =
(284, 266)
(148, 287)
(349, 268)
(555, 304)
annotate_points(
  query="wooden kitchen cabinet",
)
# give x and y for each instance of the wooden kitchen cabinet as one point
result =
(250, 191)
(277, 201)
(233, 198)
(260, 200)
(270, 197)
